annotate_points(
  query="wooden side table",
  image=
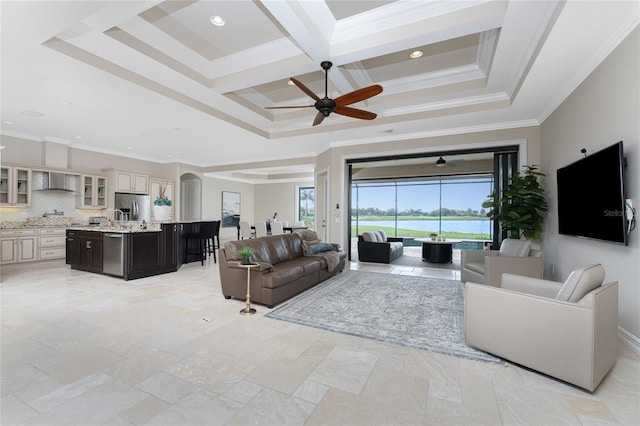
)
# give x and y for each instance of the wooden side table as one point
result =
(248, 310)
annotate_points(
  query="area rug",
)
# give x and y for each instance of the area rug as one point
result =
(420, 312)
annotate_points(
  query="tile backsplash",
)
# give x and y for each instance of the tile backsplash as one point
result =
(46, 202)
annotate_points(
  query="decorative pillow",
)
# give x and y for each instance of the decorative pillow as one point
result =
(307, 244)
(515, 248)
(382, 236)
(581, 282)
(319, 248)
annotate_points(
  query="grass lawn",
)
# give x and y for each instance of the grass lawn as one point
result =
(418, 234)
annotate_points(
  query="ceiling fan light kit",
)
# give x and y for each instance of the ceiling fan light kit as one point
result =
(326, 105)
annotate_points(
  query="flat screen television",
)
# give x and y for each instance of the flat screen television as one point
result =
(591, 197)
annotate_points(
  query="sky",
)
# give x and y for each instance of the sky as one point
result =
(457, 196)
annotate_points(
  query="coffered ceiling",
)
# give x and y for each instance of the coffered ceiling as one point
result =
(156, 80)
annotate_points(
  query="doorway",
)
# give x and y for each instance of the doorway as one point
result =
(190, 197)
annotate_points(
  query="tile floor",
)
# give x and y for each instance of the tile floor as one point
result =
(86, 349)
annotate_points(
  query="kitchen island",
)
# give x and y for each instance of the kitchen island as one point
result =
(129, 252)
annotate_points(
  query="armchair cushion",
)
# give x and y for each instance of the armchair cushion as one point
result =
(515, 248)
(370, 237)
(580, 282)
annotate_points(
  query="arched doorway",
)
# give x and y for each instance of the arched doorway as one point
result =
(190, 197)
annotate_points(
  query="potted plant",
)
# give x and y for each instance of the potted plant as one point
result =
(521, 208)
(245, 254)
(162, 204)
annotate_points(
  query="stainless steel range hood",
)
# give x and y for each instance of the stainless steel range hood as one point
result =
(56, 181)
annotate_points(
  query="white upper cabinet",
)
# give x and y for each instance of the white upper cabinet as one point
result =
(15, 186)
(132, 182)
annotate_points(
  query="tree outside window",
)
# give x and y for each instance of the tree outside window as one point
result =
(306, 205)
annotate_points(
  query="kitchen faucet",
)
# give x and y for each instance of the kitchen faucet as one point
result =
(113, 215)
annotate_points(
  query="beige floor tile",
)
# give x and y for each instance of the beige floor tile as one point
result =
(88, 349)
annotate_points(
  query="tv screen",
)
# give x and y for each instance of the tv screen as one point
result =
(591, 197)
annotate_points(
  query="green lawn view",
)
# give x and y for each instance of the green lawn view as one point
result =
(402, 232)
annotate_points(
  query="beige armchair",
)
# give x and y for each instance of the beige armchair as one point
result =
(515, 257)
(548, 326)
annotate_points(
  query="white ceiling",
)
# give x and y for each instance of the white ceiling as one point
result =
(155, 80)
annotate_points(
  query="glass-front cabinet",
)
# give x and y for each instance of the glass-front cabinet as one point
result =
(93, 192)
(15, 186)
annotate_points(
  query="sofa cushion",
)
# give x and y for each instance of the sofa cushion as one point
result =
(382, 236)
(515, 248)
(580, 282)
(319, 248)
(370, 237)
(282, 274)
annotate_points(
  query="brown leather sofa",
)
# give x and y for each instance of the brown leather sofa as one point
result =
(284, 269)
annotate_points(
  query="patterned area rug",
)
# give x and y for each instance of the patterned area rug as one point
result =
(424, 313)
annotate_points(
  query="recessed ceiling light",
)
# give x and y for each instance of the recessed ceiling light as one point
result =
(169, 155)
(129, 147)
(416, 54)
(65, 102)
(77, 137)
(9, 122)
(216, 20)
(34, 114)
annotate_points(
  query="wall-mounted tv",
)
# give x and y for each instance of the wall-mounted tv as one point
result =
(591, 197)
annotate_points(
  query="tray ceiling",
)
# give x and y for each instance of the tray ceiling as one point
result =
(157, 80)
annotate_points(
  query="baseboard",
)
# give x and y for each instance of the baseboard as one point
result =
(629, 339)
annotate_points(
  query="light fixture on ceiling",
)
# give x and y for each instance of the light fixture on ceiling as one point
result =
(218, 21)
(8, 122)
(415, 54)
(441, 162)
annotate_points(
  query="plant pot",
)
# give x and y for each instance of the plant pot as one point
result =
(161, 213)
(246, 261)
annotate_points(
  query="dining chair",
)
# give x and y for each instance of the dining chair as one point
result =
(245, 230)
(277, 228)
(299, 224)
(261, 229)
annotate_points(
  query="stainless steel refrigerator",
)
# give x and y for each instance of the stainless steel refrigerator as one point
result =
(134, 206)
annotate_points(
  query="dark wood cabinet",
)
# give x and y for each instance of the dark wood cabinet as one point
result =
(170, 240)
(73, 248)
(84, 250)
(143, 254)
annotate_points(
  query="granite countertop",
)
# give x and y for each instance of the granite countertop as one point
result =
(116, 229)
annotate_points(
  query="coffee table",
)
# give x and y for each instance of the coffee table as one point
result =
(437, 251)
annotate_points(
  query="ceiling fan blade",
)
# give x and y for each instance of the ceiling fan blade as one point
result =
(355, 113)
(305, 89)
(290, 106)
(358, 95)
(318, 119)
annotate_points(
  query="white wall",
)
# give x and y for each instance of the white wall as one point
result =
(277, 197)
(603, 110)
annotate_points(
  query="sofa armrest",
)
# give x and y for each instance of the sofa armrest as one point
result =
(495, 266)
(475, 255)
(395, 239)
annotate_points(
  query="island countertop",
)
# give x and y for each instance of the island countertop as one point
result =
(115, 229)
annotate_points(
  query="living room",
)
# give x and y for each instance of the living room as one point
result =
(602, 110)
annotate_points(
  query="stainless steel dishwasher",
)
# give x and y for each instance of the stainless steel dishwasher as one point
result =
(113, 255)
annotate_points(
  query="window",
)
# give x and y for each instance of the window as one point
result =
(446, 206)
(306, 205)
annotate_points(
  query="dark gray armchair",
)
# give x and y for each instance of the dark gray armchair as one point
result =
(377, 247)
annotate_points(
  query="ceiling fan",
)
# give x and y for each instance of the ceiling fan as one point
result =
(326, 105)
